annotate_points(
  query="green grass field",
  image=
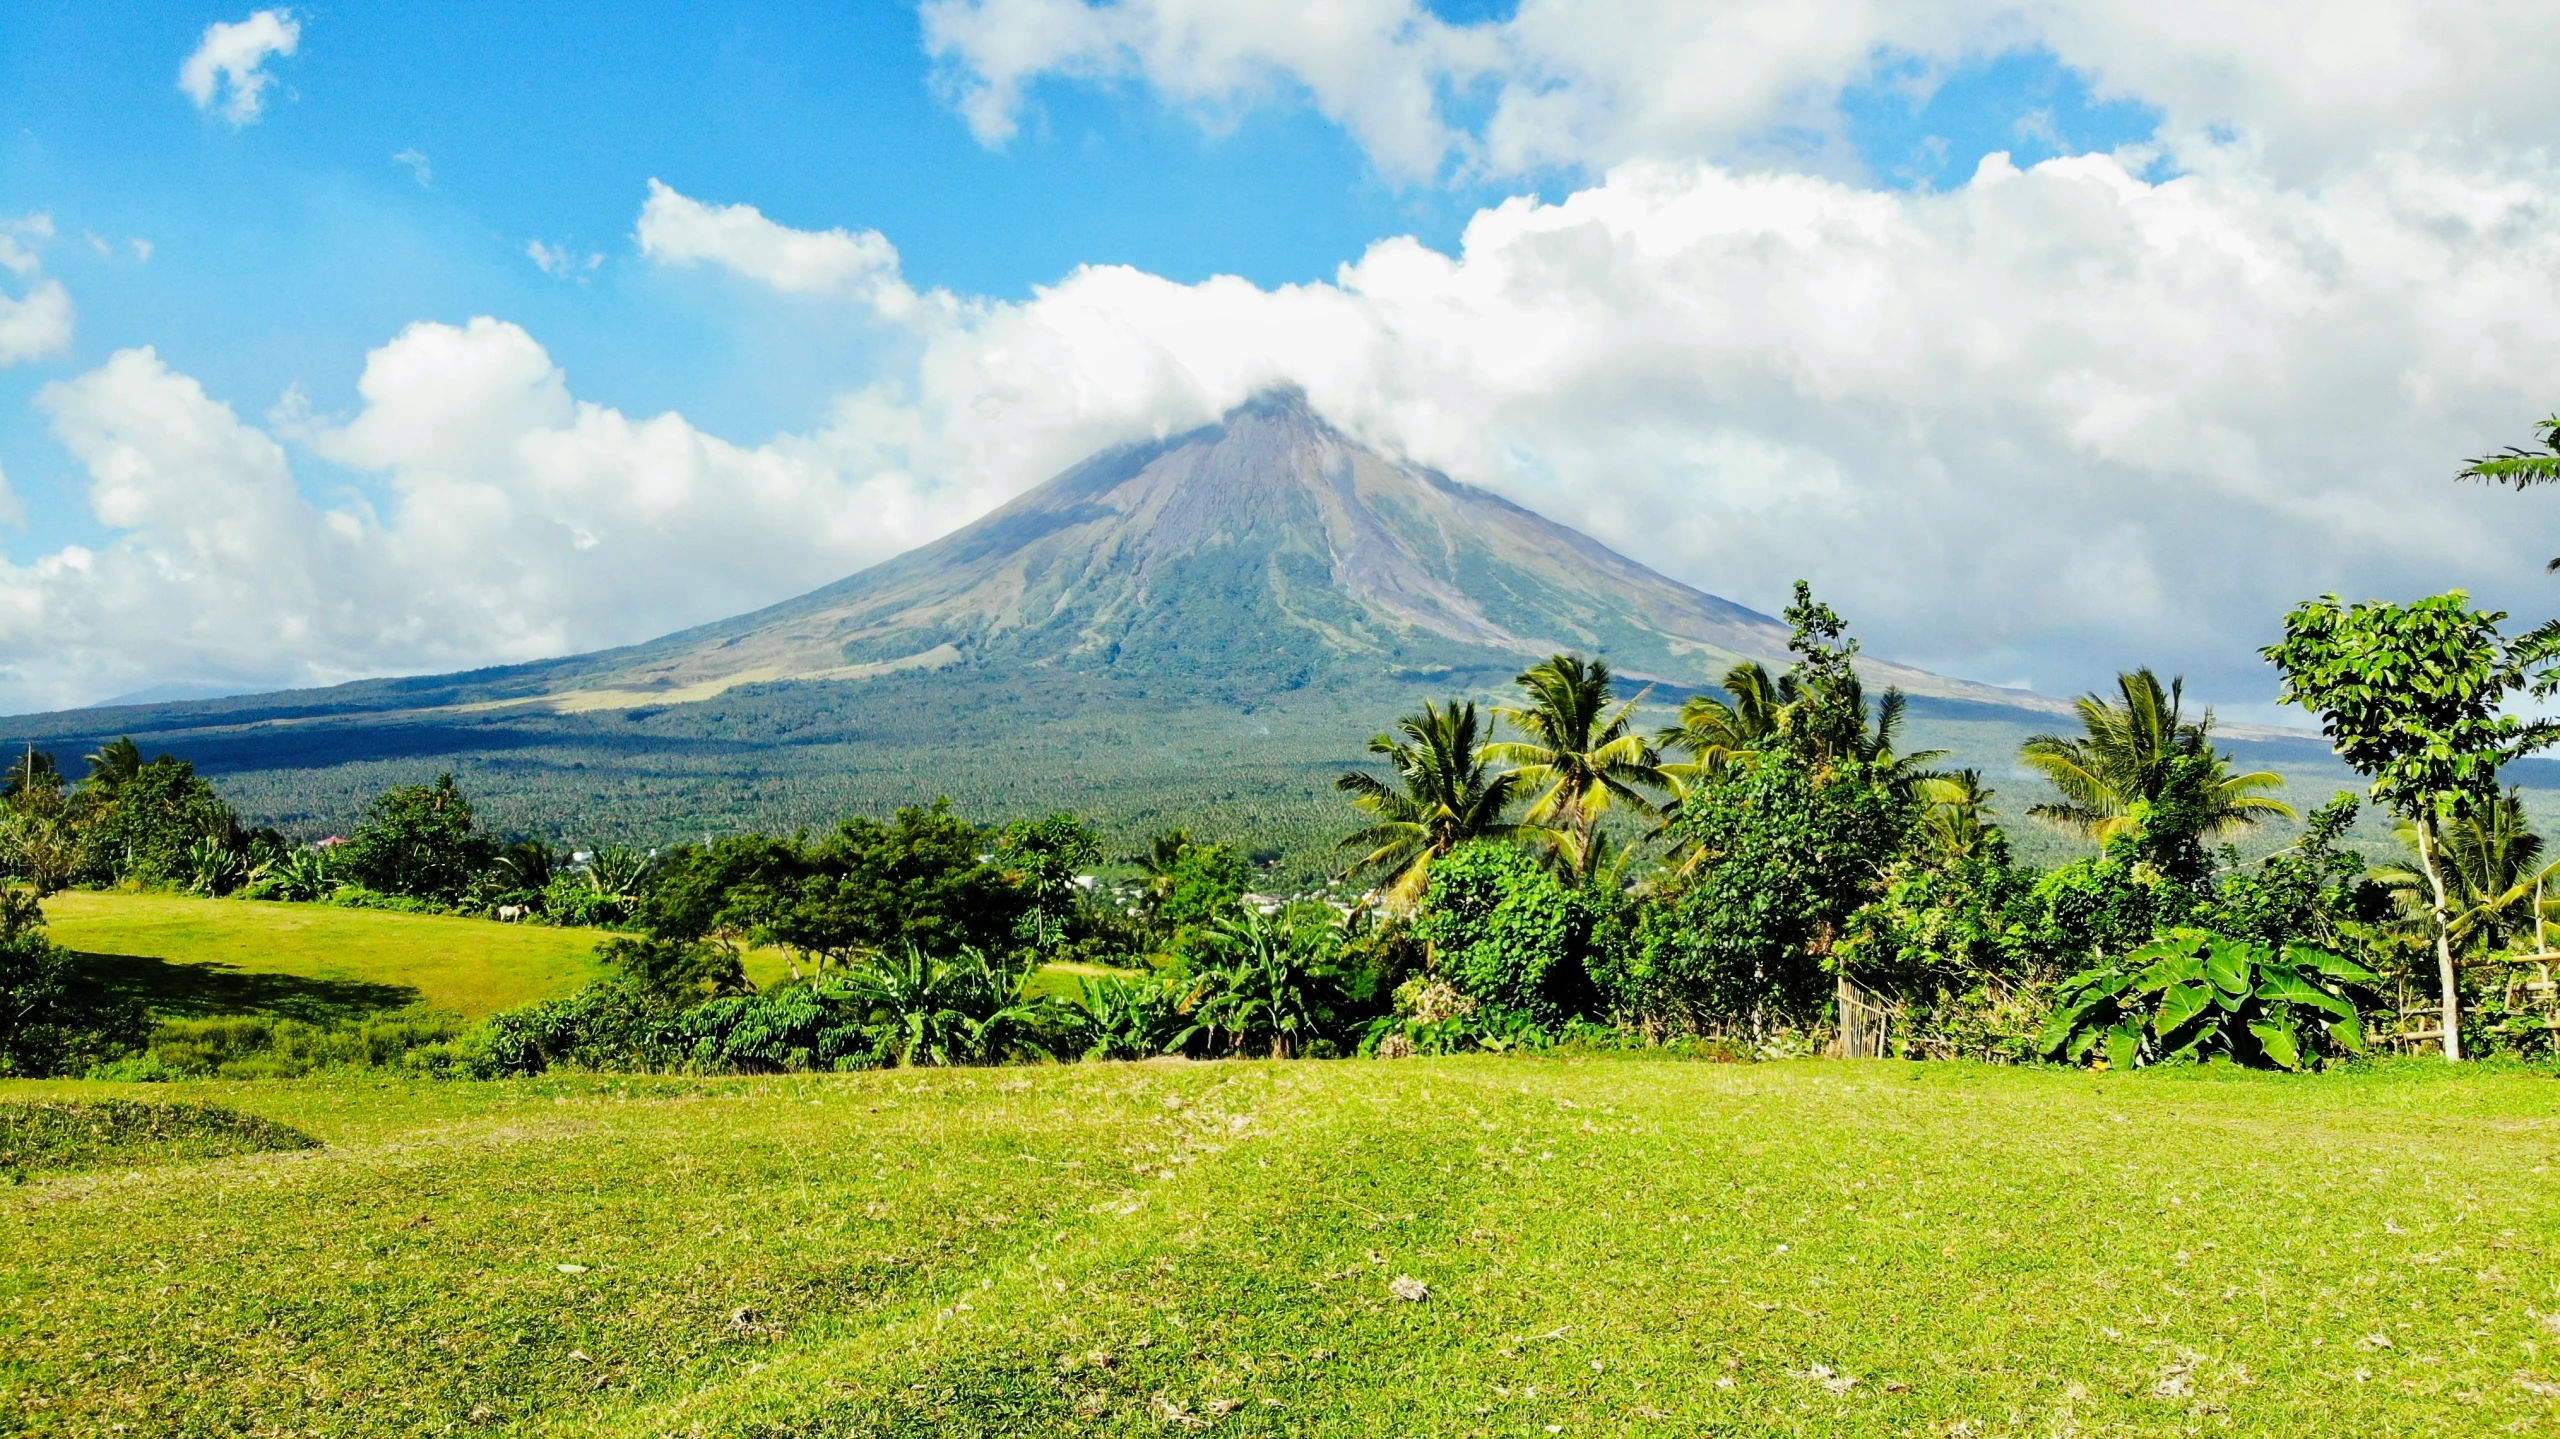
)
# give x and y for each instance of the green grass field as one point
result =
(1609, 1246)
(191, 957)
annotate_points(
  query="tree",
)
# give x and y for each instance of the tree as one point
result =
(48, 1025)
(1580, 757)
(1958, 813)
(40, 825)
(1448, 796)
(33, 769)
(112, 767)
(2522, 468)
(2143, 764)
(1718, 734)
(1786, 850)
(2413, 697)
(143, 821)
(418, 840)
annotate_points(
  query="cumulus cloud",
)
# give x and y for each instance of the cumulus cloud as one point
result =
(678, 230)
(231, 62)
(2048, 422)
(515, 522)
(2030, 429)
(38, 322)
(1566, 83)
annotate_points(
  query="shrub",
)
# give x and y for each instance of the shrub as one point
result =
(779, 1031)
(613, 1024)
(1508, 933)
(50, 1023)
(1787, 849)
(2196, 995)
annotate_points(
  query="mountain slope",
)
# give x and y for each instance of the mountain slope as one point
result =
(1265, 549)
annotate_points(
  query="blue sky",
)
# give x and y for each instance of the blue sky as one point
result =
(1737, 304)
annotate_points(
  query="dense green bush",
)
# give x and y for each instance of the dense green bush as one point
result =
(1510, 935)
(794, 1028)
(1788, 850)
(2198, 995)
(610, 1025)
(419, 841)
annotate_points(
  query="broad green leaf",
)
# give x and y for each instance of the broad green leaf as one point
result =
(2056, 1033)
(2182, 1003)
(2227, 965)
(2332, 965)
(2348, 1032)
(2279, 1042)
(2124, 1044)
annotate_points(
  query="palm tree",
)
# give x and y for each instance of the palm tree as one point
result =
(2522, 468)
(1957, 816)
(113, 767)
(1872, 745)
(1448, 796)
(2493, 870)
(1582, 756)
(2141, 752)
(1719, 734)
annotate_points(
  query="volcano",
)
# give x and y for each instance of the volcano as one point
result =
(1202, 628)
(1264, 551)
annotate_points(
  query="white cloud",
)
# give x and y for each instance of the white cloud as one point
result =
(419, 167)
(1571, 83)
(233, 56)
(519, 523)
(677, 230)
(2046, 423)
(39, 322)
(141, 249)
(560, 261)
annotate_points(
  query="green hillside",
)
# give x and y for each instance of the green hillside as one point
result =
(1621, 1246)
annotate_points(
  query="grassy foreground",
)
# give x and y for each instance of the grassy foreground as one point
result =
(1609, 1246)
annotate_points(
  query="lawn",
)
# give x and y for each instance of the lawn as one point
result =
(1609, 1246)
(192, 957)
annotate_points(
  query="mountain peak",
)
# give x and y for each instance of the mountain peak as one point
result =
(1259, 553)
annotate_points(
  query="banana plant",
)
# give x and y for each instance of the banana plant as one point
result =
(2196, 994)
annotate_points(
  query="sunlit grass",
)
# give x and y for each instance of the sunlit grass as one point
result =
(191, 956)
(1609, 1245)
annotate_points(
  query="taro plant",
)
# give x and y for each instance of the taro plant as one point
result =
(2195, 995)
